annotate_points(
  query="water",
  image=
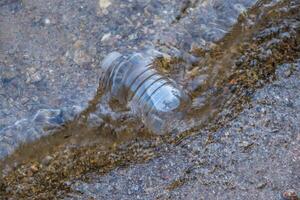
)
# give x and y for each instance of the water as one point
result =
(232, 52)
(63, 73)
(155, 98)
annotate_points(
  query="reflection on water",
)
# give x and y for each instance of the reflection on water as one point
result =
(220, 81)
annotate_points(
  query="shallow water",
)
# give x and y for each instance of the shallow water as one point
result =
(50, 59)
(220, 58)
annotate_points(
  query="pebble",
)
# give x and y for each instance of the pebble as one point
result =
(47, 21)
(288, 73)
(245, 144)
(78, 44)
(33, 76)
(290, 194)
(47, 160)
(261, 185)
(104, 4)
(34, 168)
(105, 37)
(7, 75)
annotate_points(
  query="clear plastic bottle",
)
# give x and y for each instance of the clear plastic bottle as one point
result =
(134, 82)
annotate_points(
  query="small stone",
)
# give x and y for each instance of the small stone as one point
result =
(245, 144)
(47, 21)
(104, 4)
(129, 192)
(34, 168)
(288, 73)
(105, 37)
(36, 77)
(290, 194)
(33, 76)
(7, 75)
(47, 160)
(78, 44)
(261, 185)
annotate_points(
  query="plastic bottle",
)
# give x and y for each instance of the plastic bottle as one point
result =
(134, 82)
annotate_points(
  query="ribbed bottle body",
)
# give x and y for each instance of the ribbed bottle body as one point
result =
(133, 81)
